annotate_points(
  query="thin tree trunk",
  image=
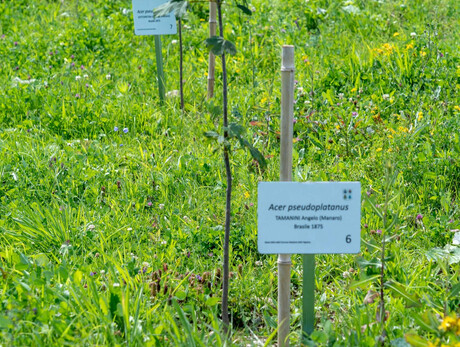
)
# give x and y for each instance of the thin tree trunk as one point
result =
(181, 84)
(225, 318)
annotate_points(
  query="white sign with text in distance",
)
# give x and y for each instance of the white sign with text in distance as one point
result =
(309, 217)
(145, 22)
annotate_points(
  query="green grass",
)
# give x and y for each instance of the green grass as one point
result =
(113, 238)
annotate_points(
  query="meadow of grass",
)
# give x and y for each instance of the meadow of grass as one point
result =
(112, 205)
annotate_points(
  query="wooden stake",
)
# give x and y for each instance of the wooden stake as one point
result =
(284, 260)
(212, 57)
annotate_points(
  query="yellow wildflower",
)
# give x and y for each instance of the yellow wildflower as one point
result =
(447, 323)
(354, 90)
(388, 48)
(377, 51)
(305, 59)
(378, 149)
(422, 53)
(419, 116)
(457, 108)
(395, 34)
(246, 195)
(409, 46)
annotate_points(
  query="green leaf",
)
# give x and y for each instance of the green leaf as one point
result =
(179, 8)
(212, 301)
(400, 342)
(24, 259)
(219, 46)
(244, 9)
(393, 223)
(374, 262)
(77, 277)
(25, 286)
(319, 336)
(180, 295)
(185, 323)
(211, 134)
(229, 47)
(41, 259)
(436, 254)
(364, 282)
(455, 290)
(371, 202)
(315, 142)
(427, 321)
(269, 320)
(257, 156)
(114, 301)
(454, 254)
(400, 290)
(235, 130)
(221, 140)
(415, 340)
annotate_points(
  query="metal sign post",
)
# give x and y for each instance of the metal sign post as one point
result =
(308, 294)
(303, 217)
(160, 72)
(308, 218)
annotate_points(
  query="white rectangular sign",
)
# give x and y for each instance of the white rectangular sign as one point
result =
(309, 217)
(145, 22)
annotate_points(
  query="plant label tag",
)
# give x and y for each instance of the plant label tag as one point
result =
(145, 22)
(309, 217)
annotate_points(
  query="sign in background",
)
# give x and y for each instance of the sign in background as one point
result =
(145, 22)
(309, 217)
